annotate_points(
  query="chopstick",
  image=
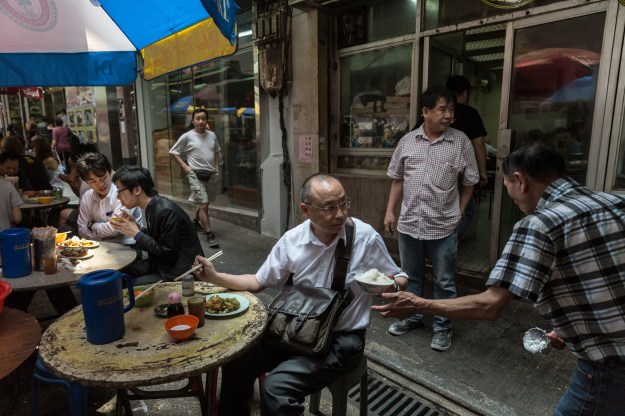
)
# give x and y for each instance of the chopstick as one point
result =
(191, 270)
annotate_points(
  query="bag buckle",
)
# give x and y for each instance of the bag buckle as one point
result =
(274, 311)
(301, 319)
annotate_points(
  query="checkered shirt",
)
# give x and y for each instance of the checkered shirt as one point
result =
(430, 208)
(568, 257)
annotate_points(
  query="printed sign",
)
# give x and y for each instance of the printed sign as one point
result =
(305, 149)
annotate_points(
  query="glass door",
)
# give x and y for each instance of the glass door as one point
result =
(551, 94)
(478, 54)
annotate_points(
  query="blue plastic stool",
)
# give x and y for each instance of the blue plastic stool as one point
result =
(76, 394)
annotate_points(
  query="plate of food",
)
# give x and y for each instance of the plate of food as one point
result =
(73, 243)
(225, 304)
(90, 243)
(76, 254)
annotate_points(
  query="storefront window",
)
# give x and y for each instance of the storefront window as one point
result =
(392, 18)
(225, 88)
(379, 21)
(375, 107)
(440, 13)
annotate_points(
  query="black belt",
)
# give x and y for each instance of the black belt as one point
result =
(614, 362)
(610, 362)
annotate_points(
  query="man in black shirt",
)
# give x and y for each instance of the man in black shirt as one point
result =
(170, 238)
(32, 173)
(468, 120)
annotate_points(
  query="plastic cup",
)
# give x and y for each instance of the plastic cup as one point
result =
(49, 265)
(197, 307)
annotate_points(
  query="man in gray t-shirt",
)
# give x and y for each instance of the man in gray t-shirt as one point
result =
(201, 148)
(10, 202)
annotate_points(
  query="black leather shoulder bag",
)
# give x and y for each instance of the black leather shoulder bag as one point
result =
(301, 318)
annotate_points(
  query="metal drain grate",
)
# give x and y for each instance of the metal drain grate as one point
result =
(388, 400)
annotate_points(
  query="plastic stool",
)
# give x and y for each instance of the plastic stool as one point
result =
(340, 389)
(77, 395)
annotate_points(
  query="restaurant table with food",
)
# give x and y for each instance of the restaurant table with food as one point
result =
(39, 207)
(72, 264)
(147, 354)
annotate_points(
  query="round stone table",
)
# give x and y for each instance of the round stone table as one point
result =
(146, 355)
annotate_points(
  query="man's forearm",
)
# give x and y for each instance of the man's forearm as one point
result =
(395, 195)
(181, 162)
(466, 192)
(479, 146)
(487, 305)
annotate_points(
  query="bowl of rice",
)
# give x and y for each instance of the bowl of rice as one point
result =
(374, 282)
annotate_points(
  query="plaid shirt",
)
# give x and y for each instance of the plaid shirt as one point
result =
(430, 208)
(568, 257)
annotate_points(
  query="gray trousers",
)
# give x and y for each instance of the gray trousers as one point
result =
(290, 378)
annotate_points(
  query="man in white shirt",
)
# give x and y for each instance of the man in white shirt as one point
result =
(201, 167)
(99, 203)
(307, 252)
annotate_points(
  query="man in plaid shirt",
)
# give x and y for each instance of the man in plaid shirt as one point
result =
(567, 256)
(433, 170)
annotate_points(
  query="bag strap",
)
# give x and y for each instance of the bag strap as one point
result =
(342, 255)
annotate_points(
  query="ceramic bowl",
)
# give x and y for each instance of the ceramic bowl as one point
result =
(181, 327)
(5, 289)
(375, 288)
(44, 199)
(145, 300)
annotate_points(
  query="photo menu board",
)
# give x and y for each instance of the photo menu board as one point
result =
(81, 112)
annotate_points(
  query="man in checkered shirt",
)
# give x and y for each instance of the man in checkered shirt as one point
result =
(567, 256)
(433, 171)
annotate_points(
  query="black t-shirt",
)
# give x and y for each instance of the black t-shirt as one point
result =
(468, 120)
(33, 176)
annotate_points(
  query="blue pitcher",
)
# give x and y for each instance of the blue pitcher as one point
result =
(102, 304)
(16, 256)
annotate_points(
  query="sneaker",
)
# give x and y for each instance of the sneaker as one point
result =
(441, 340)
(402, 326)
(198, 226)
(212, 242)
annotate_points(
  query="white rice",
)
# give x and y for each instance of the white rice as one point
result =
(535, 340)
(373, 276)
(181, 327)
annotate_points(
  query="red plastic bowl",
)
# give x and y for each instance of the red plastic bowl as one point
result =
(5, 289)
(181, 327)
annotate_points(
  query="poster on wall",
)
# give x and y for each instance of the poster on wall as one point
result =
(81, 112)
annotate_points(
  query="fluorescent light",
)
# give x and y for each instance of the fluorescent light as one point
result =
(245, 33)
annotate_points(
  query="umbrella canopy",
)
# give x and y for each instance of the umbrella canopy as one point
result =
(182, 105)
(90, 42)
(582, 89)
(541, 73)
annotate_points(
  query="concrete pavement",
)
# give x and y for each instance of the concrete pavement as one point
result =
(486, 371)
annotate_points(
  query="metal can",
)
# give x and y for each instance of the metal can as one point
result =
(197, 307)
(188, 286)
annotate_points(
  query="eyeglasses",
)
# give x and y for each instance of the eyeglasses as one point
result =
(331, 209)
(119, 190)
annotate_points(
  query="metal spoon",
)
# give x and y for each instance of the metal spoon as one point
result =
(535, 340)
